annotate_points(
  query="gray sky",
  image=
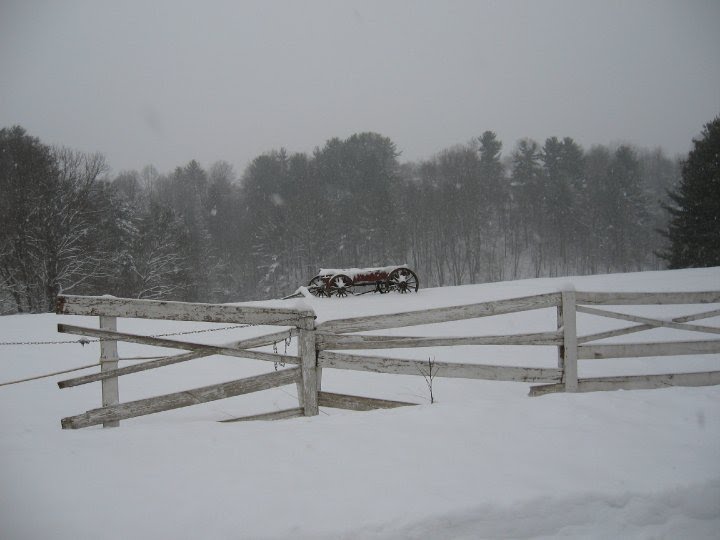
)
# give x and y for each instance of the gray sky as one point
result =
(164, 82)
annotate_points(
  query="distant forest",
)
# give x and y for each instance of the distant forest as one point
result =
(469, 214)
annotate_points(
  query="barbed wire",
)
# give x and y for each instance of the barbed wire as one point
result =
(84, 341)
(59, 342)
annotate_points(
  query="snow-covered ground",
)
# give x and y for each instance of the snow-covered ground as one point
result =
(484, 461)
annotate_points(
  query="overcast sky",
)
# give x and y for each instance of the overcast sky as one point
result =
(165, 82)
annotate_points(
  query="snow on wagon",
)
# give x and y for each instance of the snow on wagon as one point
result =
(344, 281)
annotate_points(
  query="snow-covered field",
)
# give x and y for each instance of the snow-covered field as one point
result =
(484, 461)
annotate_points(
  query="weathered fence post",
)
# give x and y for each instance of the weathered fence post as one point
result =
(560, 325)
(109, 361)
(570, 345)
(310, 378)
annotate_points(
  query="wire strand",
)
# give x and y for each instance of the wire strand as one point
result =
(8, 383)
(84, 341)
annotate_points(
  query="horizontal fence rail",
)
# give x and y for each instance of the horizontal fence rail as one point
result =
(647, 298)
(639, 350)
(342, 341)
(635, 382)
(439, 315)
(401, 366)
(177, 311)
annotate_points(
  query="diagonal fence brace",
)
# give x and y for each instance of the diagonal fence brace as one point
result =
(199, 350)
(185, 398)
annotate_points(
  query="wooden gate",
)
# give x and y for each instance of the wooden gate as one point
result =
(304, 375)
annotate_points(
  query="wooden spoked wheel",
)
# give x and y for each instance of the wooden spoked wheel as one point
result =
(317, 287)
(403, 280)
(340, 285)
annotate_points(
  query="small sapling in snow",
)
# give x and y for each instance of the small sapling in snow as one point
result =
(428, 372)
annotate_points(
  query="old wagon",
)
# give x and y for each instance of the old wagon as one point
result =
(344, 281)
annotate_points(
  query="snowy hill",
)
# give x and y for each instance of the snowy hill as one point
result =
(484, 461)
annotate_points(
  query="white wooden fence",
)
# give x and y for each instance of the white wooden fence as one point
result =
(109, 309)
(318, 348)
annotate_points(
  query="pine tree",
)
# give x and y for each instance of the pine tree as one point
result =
(495, 197)
(694, 229)
(528, 184)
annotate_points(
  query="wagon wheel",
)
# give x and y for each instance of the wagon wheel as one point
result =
(403, 280)
(340, 285)
(317, 287)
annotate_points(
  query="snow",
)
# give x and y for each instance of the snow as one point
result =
(352, 273)
(484, 461)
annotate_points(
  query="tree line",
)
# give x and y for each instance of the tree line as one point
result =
(469, 214)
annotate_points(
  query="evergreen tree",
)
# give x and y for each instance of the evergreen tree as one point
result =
(598, 162)
(630, 219)
(528, 184)
(564, 198)
(661, 175)
(359, 175)
(459, 216)
(189, 195)
(27, 171)
(494, 204)
(694, 229)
